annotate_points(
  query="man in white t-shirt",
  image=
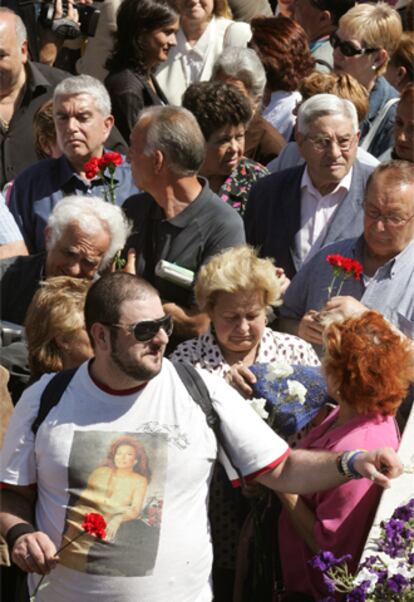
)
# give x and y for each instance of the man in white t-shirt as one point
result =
(127, 440)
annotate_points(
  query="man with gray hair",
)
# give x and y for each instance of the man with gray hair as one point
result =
(295, 212)
(82, 236)
(178, 219)
(83, 120)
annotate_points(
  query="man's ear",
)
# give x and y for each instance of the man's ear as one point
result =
(108, 125)
(101, 336)
(158, 161)
(299, 138)
(25, 51)
(401, 74)
(325, 20)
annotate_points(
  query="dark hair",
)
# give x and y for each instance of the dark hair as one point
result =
(282, 46)
(215, 105)
(404, 55)
(371, 363)
(134, 19)
(44, 128)
(105, 296)
(337, 8)
(142, 465)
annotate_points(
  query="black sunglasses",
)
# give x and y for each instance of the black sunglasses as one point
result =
(347, 48)
(147, 329)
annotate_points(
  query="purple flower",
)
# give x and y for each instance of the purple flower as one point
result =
(326, 560)
(411, 558)
(396, 583)
(359, 594)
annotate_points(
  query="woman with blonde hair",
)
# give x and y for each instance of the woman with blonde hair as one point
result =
(368, 368)
(55, 327)
(367, 36)
(237, 289)
(206, 29)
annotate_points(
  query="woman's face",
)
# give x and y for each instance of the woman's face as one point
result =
(404, 131)
(125, 456)
(359, 66)
(239, 320)
(224, 149)
(158, 43)
(196, 10)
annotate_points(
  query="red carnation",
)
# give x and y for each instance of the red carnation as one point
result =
(358, 269)
(91, 168)
(112, 157)
(343, 268)
(94, 524)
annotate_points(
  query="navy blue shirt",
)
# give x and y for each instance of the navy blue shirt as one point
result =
(39, 187)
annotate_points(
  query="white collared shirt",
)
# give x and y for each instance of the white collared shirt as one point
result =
(315, 214)
(194, 57)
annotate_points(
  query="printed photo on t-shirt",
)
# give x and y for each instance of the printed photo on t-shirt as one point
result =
(121, 476)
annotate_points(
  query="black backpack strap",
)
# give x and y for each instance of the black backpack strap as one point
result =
(51, 395)
(197, 388)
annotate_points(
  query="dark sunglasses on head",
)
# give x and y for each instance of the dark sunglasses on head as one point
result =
(146, 330)
(347, 48)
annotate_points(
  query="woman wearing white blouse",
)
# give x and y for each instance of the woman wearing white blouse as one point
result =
(206, 28)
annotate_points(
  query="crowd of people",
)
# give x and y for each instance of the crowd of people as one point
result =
(201, 199)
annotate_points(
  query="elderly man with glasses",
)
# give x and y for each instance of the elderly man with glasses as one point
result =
(292, 214)
(385, 251)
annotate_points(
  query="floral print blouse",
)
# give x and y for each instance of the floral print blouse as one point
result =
(204, 352)
(236, 188)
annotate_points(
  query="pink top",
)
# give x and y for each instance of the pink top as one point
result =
(343, 514)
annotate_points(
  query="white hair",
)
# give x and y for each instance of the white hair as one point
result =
(325, 104)
(243, 64)
(85, 84)
(91, 215)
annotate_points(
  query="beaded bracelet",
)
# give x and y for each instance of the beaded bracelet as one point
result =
(345, 464)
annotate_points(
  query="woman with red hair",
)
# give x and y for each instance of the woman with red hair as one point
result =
(282, 46)
(368, 367)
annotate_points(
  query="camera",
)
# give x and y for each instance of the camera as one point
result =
(66, 28)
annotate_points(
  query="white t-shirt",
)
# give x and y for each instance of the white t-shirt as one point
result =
(70, 461)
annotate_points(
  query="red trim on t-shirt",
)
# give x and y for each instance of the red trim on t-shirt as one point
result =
(268, 468)
(10, 486)
(118, 393)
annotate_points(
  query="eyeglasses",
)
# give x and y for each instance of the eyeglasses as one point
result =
(323, 143)
(395, 221)
(146, 330)
(347, 48)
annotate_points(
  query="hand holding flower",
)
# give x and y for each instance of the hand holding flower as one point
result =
(93, 524)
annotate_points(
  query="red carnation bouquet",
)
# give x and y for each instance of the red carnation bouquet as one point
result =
(97, 166)
(343, 268)
(93, 524)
